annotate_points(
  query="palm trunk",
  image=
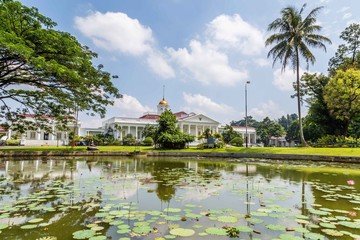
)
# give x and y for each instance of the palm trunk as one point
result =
(302, 139)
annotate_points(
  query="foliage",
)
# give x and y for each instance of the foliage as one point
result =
(342, 96)
(347, 55)
(250, 122)
(148, 141)
(233, 232)
(12, 142)
(292, 133)
(313, 86)
(168, 135)
(229, 133)
(237, 141)
(129, 140)
(46, 71)
(149, 131)
(267, 129)
(327, 140)
(295, 34)
(287, 120)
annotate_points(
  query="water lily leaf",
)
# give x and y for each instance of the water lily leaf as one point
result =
(29, 226)
(142, 229)
(182, 232)
(84, 234)
(314, 236)
(216, 231)
(227, 219)
(327, 225)
(174, 210)
(35, 220)
(332, 232)
(276, 227)
(244, 228)
(3, 226)
(98, 238)
(349, 224)
(289, 237)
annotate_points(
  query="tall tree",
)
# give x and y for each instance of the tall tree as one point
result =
(295, 35)
(267, 129)
(348, 54)
(168, 135)
(342, 96)
(44, 71)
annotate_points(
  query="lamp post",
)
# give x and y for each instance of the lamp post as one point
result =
(246, 132)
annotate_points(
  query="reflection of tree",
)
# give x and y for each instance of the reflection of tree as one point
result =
(163, 172)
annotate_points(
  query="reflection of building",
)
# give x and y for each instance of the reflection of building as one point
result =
(42, 137)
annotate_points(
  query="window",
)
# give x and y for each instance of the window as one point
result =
(32, 135)
(46, 136)
(58, 136)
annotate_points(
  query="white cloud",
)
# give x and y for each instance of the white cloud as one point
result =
(202, 104)
(115, 31)
(262, 62)
(233, 32)
(206, 64)
(347, 15)
(129, 106)
(266, 109)
(160, 66)
(284, 80)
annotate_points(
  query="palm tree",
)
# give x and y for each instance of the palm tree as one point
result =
(294, 37)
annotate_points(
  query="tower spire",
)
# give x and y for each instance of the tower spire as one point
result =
(163, 92)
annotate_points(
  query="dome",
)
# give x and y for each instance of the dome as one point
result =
(163, 102)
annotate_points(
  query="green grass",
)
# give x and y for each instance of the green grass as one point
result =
(257, 150)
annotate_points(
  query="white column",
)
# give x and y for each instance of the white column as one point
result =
(189, 126)
(121, 130)
(136, 132)
(38, 134)
(196, 130)
(9, 134)
(182, 127)
(128, 131)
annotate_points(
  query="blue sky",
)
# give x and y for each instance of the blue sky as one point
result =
(203, 51)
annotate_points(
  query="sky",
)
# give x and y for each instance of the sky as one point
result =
(202, 51)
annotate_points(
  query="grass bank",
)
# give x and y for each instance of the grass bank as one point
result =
(351, 152)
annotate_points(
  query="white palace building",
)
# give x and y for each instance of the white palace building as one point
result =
(190, 123)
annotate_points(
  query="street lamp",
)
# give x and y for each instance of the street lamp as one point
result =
(246, 132)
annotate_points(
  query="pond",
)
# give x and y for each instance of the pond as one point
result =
(177, 198)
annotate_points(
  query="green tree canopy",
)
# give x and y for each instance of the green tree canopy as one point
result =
(44, 71)
(342, 96)
(229, 133)
(295, 35)
(348, 54)
(168, 135)
(267, 129)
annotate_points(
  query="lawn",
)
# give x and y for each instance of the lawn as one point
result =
(257, 150)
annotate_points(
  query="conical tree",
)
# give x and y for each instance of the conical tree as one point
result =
(294, 36)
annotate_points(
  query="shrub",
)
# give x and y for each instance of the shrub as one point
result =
(237, 141)
(13, 142)
(327, 140)
(148, 141)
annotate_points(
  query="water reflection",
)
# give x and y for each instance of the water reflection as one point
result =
(80, 191)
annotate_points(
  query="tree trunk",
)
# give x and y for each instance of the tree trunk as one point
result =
(302, 139)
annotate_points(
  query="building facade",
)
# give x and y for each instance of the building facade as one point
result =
(41, 137)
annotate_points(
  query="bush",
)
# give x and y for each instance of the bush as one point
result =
(129, 140)
(13, 142)
(327, 140)
(148, 141)
(237, 141)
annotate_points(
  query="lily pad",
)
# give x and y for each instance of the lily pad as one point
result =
(84, 234)
(216, 231)
(227, 219)
(182, 232)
